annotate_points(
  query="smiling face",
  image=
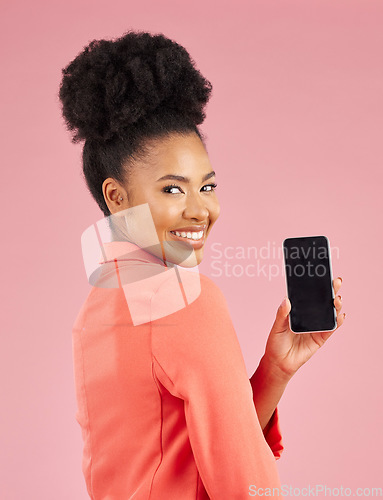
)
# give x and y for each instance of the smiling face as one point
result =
(177, 181)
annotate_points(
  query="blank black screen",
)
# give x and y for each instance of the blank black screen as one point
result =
(309, 283)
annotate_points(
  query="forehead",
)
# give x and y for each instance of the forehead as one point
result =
(178, 155)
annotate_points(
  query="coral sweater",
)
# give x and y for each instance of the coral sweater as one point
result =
(163, 398)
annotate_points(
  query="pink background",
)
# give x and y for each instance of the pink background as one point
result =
(294, 131)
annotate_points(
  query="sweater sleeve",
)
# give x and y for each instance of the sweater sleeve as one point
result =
(197, 357)
(273, 435)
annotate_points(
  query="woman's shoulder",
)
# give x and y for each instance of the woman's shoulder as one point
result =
(187, 291)
(195, 338)
(191, 308)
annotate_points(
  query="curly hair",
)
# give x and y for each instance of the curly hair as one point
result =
(117, 94)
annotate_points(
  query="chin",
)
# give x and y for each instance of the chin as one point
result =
(192, 262)
(182, 254)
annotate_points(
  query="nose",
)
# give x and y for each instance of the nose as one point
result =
(196, 207)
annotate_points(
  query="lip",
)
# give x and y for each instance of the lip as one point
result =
(191, 228)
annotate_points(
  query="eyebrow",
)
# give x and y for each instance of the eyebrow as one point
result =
(184, 179)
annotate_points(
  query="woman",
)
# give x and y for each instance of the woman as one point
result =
(164, 402)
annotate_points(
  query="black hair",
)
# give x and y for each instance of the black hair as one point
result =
(117, 94)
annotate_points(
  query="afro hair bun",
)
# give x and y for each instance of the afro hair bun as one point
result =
(113, 84)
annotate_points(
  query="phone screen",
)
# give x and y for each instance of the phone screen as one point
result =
(309, 284)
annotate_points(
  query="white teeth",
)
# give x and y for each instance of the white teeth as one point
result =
(191, 235)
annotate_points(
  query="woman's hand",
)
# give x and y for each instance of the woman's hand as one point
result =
(287, 351)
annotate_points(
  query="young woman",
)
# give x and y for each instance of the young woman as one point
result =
(164, 402)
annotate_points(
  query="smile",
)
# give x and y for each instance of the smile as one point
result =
(189, 235)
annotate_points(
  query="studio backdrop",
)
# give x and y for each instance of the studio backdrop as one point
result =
(294, 132)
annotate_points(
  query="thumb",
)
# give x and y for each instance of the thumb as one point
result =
(281, 322)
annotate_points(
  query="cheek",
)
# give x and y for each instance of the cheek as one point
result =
(215, 210)
(165, 216)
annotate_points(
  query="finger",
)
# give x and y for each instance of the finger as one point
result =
(338, 303)
(281, 320)
(339, 322)
(336, 283)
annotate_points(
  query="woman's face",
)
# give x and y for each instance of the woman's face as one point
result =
(177, 181)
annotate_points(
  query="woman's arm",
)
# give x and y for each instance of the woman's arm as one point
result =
(198, 359)
(268, 387)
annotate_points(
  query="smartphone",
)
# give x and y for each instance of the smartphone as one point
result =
(309, 284)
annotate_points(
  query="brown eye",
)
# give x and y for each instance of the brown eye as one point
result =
(167, 189)
(213, 186)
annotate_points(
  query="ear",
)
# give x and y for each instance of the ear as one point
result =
(115, 195)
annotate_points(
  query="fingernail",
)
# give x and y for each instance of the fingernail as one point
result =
(339, 278)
